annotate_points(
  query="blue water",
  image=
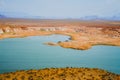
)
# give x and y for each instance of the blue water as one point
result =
(31, 53)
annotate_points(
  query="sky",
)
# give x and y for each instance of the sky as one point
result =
(61, 8)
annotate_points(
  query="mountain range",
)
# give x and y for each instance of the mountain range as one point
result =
(93, 17)
(23, 15)
(2, 16)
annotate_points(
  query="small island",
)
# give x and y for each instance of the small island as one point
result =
(51, 43)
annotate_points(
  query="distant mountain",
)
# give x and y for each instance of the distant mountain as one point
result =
(93, 17)
(21, 15)
(15, 14)
(2, 16)
(24, 15)
(116, 17)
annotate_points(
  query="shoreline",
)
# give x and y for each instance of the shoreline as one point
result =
(59, 43)
(82, 37)
(73, 42)
(83, 34)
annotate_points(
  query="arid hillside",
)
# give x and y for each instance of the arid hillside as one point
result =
(61, 74)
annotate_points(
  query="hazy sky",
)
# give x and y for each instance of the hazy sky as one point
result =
(62, 8)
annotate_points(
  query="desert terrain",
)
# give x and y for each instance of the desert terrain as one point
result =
(61, 74)
(84, 34)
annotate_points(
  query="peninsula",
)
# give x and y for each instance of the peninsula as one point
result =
(83, 34)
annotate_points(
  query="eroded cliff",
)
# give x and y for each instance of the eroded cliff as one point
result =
(82, 36)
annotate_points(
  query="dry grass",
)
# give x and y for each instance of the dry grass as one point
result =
(61, 74)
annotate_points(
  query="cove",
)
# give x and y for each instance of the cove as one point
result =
(30, 53)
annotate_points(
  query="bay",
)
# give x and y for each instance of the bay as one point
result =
(30, 53)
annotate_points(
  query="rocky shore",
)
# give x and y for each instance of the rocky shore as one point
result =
(51, 44)
(83, 35)
(61, 74)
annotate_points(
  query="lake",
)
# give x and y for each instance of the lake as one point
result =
(30, 53)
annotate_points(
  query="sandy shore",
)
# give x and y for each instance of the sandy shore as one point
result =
(83, 34)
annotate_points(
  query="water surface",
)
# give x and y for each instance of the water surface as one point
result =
(31, 53)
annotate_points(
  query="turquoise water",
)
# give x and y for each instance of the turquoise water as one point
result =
(31, 53)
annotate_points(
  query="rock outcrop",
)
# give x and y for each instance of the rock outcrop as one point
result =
(82, 36)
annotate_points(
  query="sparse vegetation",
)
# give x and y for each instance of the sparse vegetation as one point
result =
(61, 74)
